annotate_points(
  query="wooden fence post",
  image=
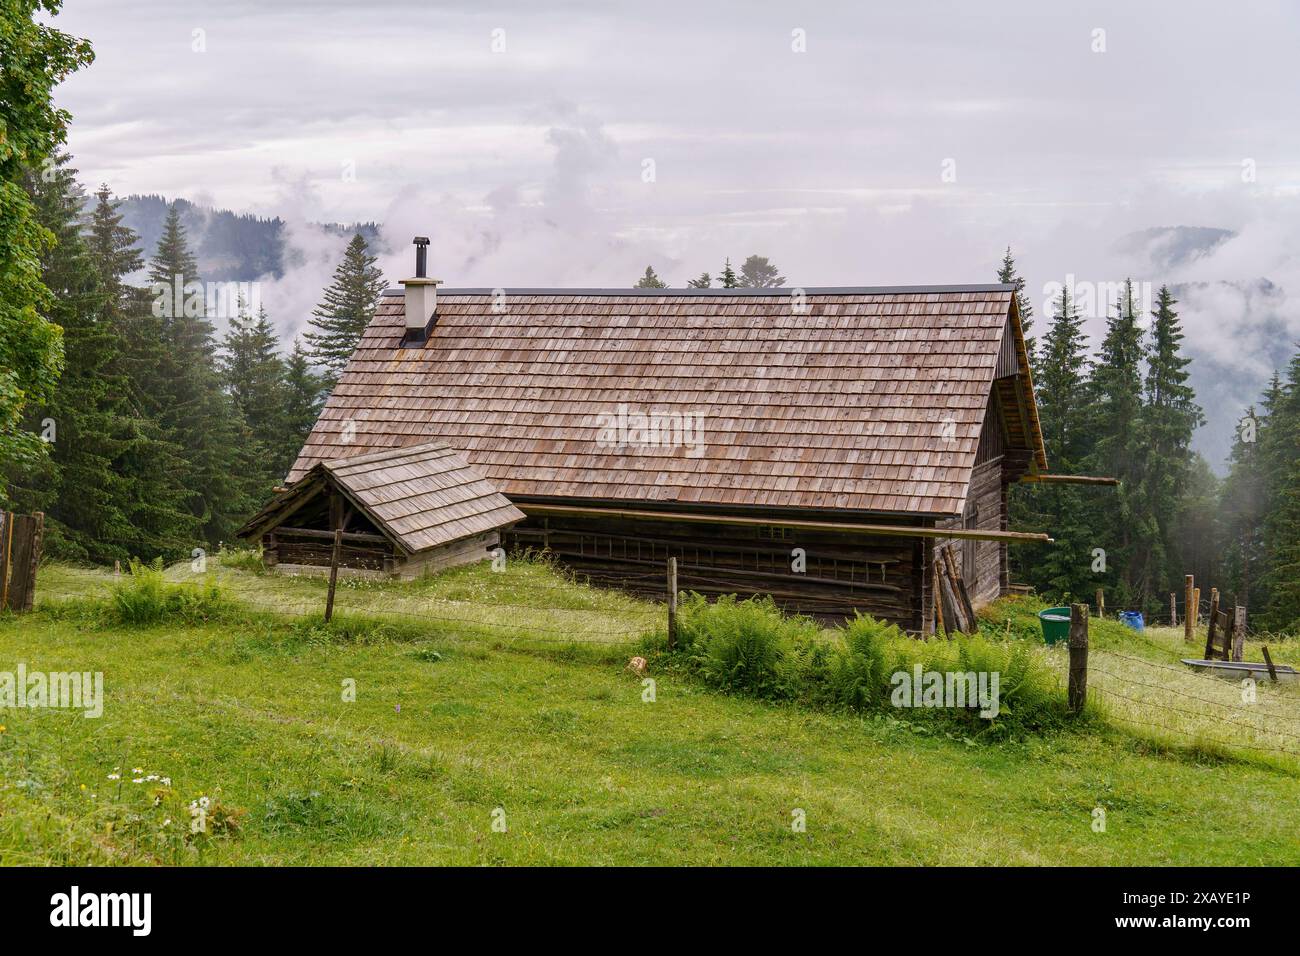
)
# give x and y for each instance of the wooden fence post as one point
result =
(1214, 610)
(1209, 635)
(335, 555)
(1078, 693)
(1101, 603)
(672, 603)
(1238, 632)
(1173, 610)
(1189, 631)
(1229, 624)
(24, 558)
(6, 541)
(34, 558)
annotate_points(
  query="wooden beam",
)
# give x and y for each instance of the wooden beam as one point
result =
(1070, 480)
(938, 602)
(285, 505)
(887, 530)
(358, 536)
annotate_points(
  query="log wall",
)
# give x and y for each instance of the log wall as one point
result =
(285, 548)
(843, 572)
(980, 563)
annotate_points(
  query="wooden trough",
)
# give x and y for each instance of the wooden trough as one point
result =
(1237, 670)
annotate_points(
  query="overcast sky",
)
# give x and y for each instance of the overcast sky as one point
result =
(521, 136)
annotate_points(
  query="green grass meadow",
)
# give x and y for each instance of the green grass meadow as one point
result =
(467, 747)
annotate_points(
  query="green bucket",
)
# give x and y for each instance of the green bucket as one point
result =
(1056, 624)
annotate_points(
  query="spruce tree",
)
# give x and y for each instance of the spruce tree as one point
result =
(1274, 449)
(346, 308)
(254, 376)
(1064, 569)
(191, 405)
(1007, 274)
(650, 280)
(254, 373)
(1114, 409)
(1198, 535)
(758, 273)
(1169, 417)
(1280, 459)
(113, 246)
(703, 281)
(1242, 507)
(74, 421)
(303, 397)
(728, 278)
(1062, 388)
(151, 494)
(172, 259)
(99, 505)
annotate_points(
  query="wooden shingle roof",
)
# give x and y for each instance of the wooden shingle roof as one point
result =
(420, 496)
(867, 400)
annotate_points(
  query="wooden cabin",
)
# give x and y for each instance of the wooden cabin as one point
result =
(401, 512)
(818, 445)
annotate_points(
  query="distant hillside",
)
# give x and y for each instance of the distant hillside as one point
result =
(229, 246)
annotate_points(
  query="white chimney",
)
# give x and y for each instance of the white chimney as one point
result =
(421, 296)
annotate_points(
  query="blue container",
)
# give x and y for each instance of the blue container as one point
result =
(1132, 619)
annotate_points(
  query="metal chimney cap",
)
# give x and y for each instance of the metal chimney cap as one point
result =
(420, 241)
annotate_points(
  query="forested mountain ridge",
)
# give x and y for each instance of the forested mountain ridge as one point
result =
(229, 246)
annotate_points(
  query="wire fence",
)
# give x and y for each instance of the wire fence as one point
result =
(1195, 709)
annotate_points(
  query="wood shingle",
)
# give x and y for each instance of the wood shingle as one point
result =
(866, 400)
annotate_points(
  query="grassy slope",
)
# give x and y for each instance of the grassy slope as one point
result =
(585, 771)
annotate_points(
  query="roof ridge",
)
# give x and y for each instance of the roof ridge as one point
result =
(770, 292)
